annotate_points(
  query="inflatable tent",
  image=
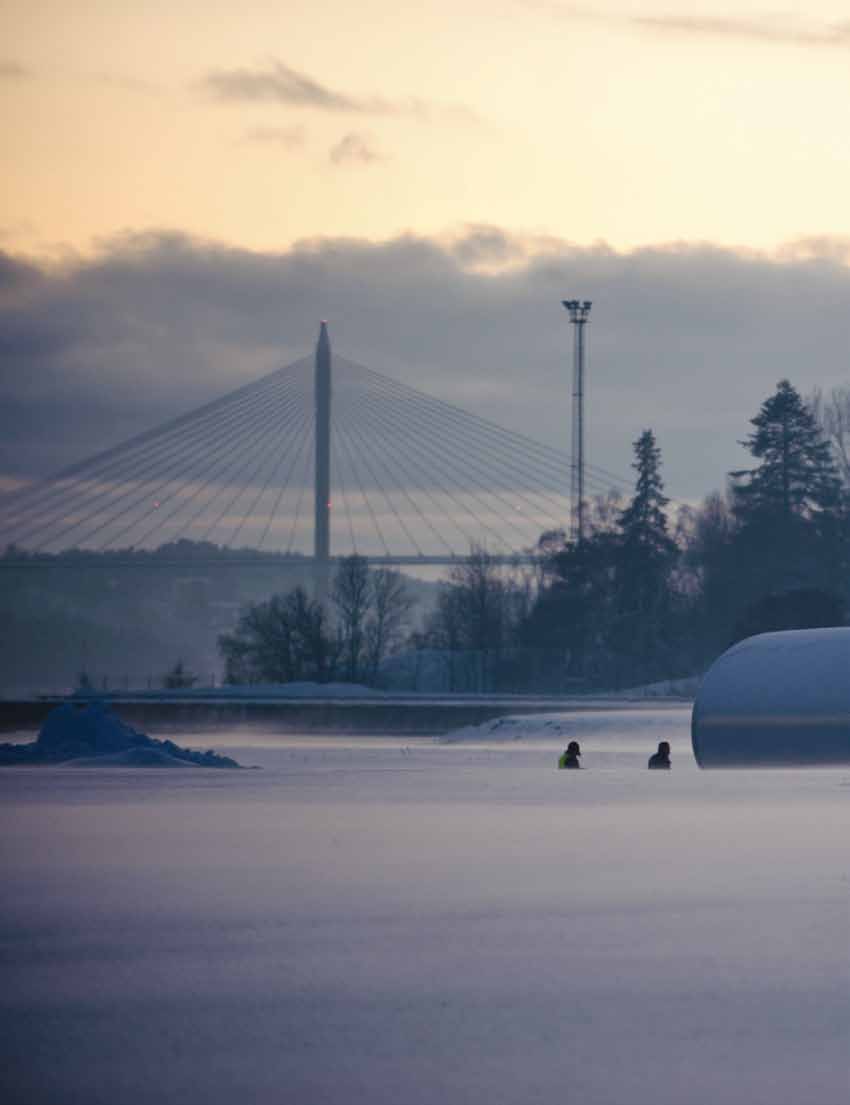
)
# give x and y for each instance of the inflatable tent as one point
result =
(776, 699)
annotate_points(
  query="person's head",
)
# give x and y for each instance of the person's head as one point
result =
(663, 748)
(573, 749)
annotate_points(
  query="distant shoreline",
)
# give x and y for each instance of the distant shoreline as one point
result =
(386, 714)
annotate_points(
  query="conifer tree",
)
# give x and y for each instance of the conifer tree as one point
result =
(643, 523)
(789, 529)
(646, 558)
(796, 477)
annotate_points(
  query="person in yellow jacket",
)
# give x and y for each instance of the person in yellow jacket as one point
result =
(569, 758)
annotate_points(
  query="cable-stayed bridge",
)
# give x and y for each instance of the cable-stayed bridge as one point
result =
(321, 458)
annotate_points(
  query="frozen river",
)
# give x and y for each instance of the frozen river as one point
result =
(428, 923)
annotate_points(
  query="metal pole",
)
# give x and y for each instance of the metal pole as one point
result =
(322, 526)
(579, 310)
(580, 392)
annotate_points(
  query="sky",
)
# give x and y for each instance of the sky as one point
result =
(189, 188)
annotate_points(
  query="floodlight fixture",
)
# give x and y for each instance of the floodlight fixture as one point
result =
(578, 309)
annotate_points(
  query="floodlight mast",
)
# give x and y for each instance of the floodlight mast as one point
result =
(579, 312)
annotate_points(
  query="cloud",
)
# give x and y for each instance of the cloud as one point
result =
(354, 149)
(483, 245)
(12, 70)
(817, 248)
(279, 83)
(487, 248)
(15, 230)
(289, 138)
(776, 30)
(779, 30)
(686, 338)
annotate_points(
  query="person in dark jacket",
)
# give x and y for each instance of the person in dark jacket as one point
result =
(569, 758)
(661, 759)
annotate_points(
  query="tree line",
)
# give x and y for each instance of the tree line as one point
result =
(647, 594)
(292, 637)
(650, 592)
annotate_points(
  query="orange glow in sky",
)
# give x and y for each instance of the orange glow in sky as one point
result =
(262, 123)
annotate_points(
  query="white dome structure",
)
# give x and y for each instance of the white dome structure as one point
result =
(776, 699)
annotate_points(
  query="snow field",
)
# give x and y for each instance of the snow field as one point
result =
(423, 922)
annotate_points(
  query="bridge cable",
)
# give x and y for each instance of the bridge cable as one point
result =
(471, 423)
(311, 440)
(338, 469)
(411, 441)
(400, 465)
(273, 472)
(513, 468)
(259, 430)
(366, 453)
(452, 411)
(464, 508)
(360, 484)
(189, 424)
(308, 437)
(399, 517)
(439, 507)
(234, 439)
(142, 491)
(548, 452)
(296, 417)
(481, 522)
(469, 466)
(445, 435)
(189, 447)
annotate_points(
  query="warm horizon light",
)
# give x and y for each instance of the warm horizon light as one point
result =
(260, 125)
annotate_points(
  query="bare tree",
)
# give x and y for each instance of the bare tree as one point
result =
(481, 593)
(478, 610)
(391, 606)
(278, 641)
(351, 597)
(291, 637)
(372, 608)
(445, 628)
(481, 603)
(835, 420)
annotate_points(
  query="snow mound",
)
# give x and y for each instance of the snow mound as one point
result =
(89, 733)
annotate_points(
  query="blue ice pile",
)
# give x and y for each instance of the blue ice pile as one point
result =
(88, 734)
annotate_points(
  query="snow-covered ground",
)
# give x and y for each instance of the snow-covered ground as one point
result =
(428, 923)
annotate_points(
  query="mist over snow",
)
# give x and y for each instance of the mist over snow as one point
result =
(392, 920)
(687, 339)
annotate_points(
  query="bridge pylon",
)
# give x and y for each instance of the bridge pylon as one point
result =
(322, 523)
